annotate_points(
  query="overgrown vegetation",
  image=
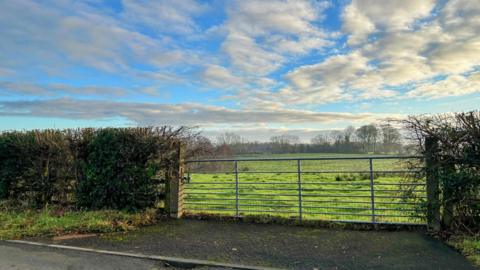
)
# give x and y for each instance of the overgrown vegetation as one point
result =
(111, 168)
(469, 245)
(457, 159)
(456, 153)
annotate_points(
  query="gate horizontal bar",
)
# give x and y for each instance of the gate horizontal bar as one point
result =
(360, 196)
(212, 209)
(336, 207)
(268, 211)
(303, 172)
(307, 183)
(293, 159)
(209, 188)
(200, 203)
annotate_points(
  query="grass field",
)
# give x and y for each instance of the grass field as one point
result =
(330, 189)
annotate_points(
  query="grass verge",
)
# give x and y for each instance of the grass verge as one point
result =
(15, 224)
(469, 246)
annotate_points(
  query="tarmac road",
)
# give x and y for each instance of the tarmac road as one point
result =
(24, 257)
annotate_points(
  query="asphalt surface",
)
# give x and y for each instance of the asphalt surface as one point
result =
(25, 257)
(282, 246)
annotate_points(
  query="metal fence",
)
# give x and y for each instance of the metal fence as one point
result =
(345, 189)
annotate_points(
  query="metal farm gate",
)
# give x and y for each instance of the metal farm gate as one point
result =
(377, 190)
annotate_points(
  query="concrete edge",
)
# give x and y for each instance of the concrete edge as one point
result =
(174, 261)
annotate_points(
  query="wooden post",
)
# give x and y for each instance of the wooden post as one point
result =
(174, 186)
(447, 204)
(433, 191)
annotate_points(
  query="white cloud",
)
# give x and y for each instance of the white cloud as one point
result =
(218, 76)
(261, 34)
(357, 24)
(337, 78)
(363, 17)
(454, 85)
(402, 57)
(247, 56)
(164, 15)
(57, 37)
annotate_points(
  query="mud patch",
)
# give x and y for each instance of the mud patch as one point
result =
(73, 236)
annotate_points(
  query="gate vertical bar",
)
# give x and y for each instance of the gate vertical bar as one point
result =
(372, 192)
(299, 173)
(236, 190)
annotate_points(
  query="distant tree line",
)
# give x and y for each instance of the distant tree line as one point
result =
(373, 138)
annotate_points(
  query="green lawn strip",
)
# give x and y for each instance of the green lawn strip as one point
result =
(469, 246)
(15, 224)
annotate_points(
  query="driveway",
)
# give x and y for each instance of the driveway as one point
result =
(282, 246)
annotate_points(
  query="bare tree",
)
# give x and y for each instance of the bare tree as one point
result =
(285, 139)
(368, 135)
(228, 138)
(349, 134)
(337, 136)
(372, 136)
(390, 136)
(284, 143)
(362, 134)
(320, 139)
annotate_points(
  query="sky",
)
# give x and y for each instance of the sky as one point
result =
(254, 67)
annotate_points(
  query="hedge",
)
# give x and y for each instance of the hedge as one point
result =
(457, 164)
(89, 168)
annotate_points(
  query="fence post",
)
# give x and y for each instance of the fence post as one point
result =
(237, 208)
(446, 215)
(372, 190)
(174, 186)
(433, 201)
(299, 173)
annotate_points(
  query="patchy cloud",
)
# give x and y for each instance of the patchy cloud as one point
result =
(271, 64)
(49, 90)
(364, 17)
(164, 15)
(284, 27)
(454, 85)
(404, 60)
(173, 114)
(220, 77)
(64, 38)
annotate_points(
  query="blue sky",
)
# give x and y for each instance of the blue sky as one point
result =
(258, 68)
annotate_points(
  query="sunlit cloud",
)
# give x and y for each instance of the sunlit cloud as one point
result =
(278, 65)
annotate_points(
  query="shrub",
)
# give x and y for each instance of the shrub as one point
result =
(90, 168)
(35, 166)
(118, 170)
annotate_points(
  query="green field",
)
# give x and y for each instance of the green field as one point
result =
(330, 189)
